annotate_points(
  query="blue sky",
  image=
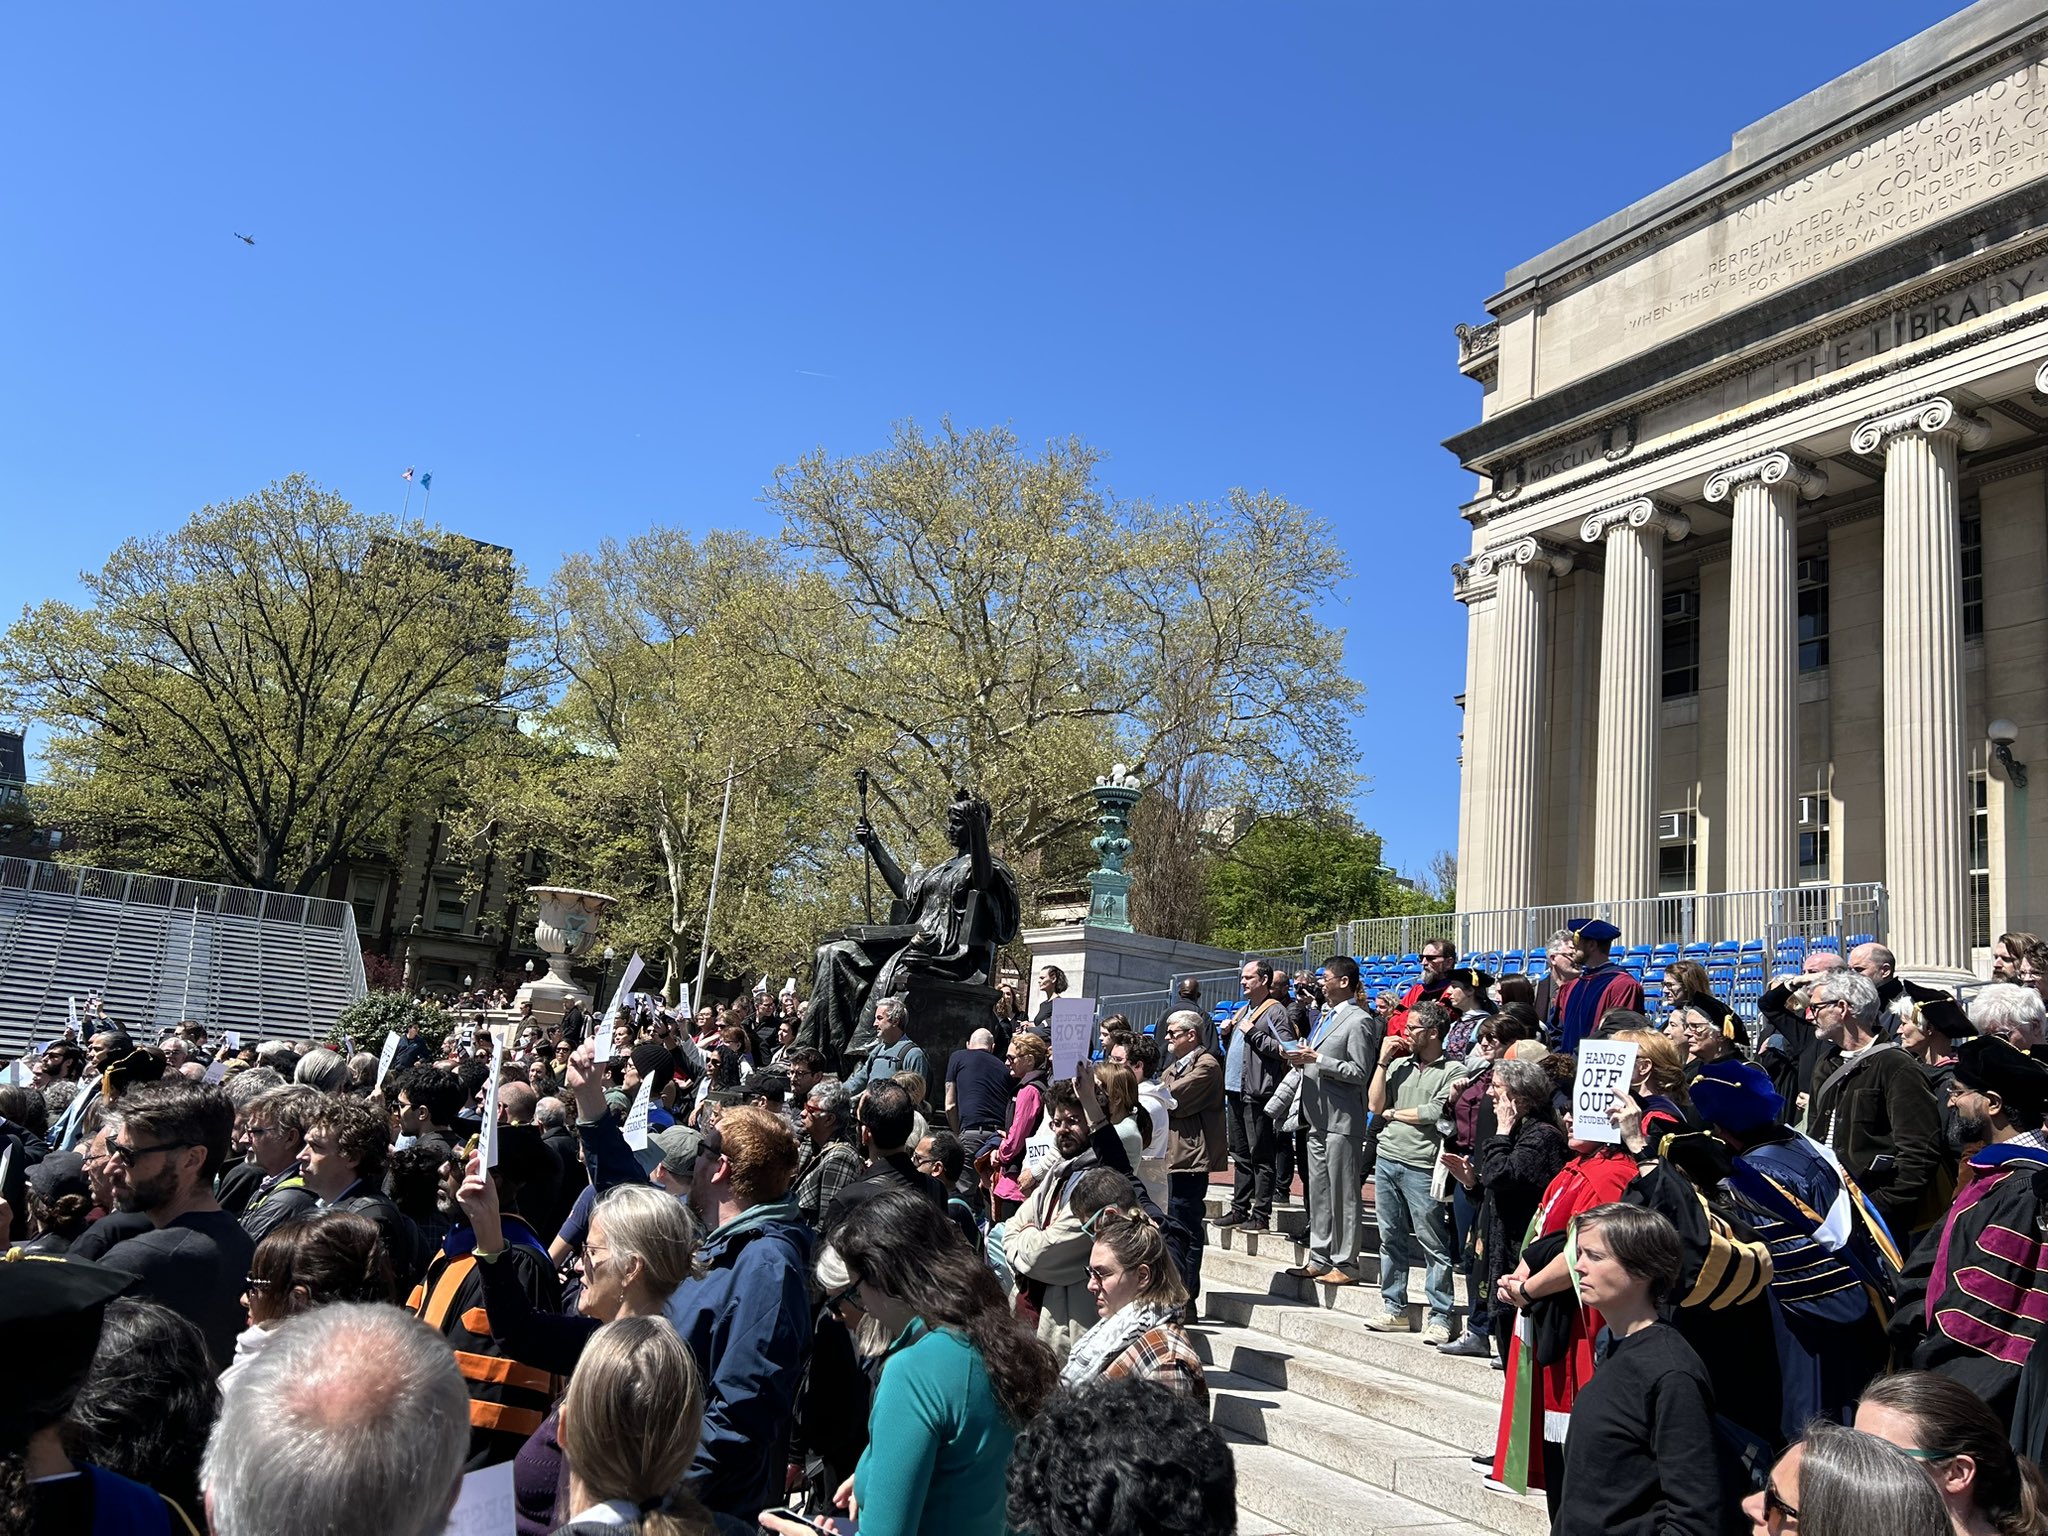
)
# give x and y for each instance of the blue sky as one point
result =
(599, 267)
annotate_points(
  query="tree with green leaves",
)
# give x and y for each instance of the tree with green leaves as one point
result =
(622, 778)
(265, 692)
(973, 614)
(1294, 875)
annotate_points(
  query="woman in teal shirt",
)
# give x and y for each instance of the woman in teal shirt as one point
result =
(962, 1377)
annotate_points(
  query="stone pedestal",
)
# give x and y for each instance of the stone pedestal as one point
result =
(1631, 635)
(1126, 972)
(1763, 665)
(939, 1016)
(1926, 763)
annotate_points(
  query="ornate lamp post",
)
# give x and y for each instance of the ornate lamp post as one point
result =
(1109, 888)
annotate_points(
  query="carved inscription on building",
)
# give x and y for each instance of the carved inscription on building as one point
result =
(1984, 140)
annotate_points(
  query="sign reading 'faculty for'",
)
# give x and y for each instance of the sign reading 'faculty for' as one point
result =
(1987, 138)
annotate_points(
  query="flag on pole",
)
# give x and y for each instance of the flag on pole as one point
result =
(426, 479)
(408, 473)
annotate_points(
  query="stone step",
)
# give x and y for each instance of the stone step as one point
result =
(1465, 1418)
(1290, 1232)
(1341, 1332)
(1263, 1270)
(1290, 1219)
(1413, 1466)
(1302, 1496)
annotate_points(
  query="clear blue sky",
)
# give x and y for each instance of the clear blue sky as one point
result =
(597, 267)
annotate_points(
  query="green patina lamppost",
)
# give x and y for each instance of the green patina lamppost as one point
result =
(1109, 888)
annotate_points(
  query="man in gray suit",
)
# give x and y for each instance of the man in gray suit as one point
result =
(1336, 1064)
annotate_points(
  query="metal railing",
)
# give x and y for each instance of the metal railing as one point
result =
(1807, 912)
(1836, 915)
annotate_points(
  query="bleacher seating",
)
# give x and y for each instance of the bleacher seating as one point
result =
(158, 949)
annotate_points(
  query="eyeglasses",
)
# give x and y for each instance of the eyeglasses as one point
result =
(128, 1156)
(262, 1130)
(251, 1283)
(1774, 1500)
(1097, 1272)
(840, 1298)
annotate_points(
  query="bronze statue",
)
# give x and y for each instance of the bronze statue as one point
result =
(945, 924)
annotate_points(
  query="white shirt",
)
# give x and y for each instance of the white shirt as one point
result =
(1158, 1101)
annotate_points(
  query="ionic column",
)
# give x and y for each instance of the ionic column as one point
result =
(1477, 596)
(1512, 740)
(1926, 767)
(1763, 665)
(1631, 643)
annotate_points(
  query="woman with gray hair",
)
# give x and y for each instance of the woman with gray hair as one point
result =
(2016, 1014)
(323, 1069)
(1514, 1166)
(830, 1159)
(1843, 1482)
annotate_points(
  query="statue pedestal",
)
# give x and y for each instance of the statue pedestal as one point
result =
(1129, 973)
(939, 1016)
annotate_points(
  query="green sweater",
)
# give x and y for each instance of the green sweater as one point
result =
(1411, 1085)
(939, 1447)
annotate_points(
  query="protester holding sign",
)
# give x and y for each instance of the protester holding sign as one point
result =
(1537, 1404)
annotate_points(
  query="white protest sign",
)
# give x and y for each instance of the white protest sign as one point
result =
(217, 1072)
(18, 1076)
(71, 1010)
(635, 1130)
(634, 967)
(1606, 1067)
(489, 1143)
(234, 1039)
(1072, 1018)
(485, 1506)
(385, 1057)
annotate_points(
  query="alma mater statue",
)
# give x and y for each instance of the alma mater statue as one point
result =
(945, 925)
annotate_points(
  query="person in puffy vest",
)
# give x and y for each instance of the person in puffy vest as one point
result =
(507, 1400)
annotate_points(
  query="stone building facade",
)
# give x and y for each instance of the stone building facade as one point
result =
(1760, 545)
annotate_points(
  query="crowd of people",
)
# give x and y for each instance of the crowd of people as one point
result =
(279, 1287)
(1777, 1229)
(695, 1277)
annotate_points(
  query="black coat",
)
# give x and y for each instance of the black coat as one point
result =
(1879, 1116)
(1514, 1170)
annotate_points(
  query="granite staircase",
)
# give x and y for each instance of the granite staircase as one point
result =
(1334, 1427)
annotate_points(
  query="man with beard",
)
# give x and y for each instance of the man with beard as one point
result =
(1600, 986)
(1976, 1290)
(161, 1158)
(1043, 1242)
(747, 1318)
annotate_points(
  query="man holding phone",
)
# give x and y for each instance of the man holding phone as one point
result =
(1336, 1063)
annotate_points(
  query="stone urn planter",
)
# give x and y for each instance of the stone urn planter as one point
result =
(565, 928)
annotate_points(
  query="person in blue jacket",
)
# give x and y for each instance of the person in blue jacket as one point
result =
(747, 1317)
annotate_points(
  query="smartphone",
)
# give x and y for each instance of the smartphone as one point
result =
(828, 1525)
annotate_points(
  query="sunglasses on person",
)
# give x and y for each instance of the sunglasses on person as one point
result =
(127, 1157)
(1774, 1500)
